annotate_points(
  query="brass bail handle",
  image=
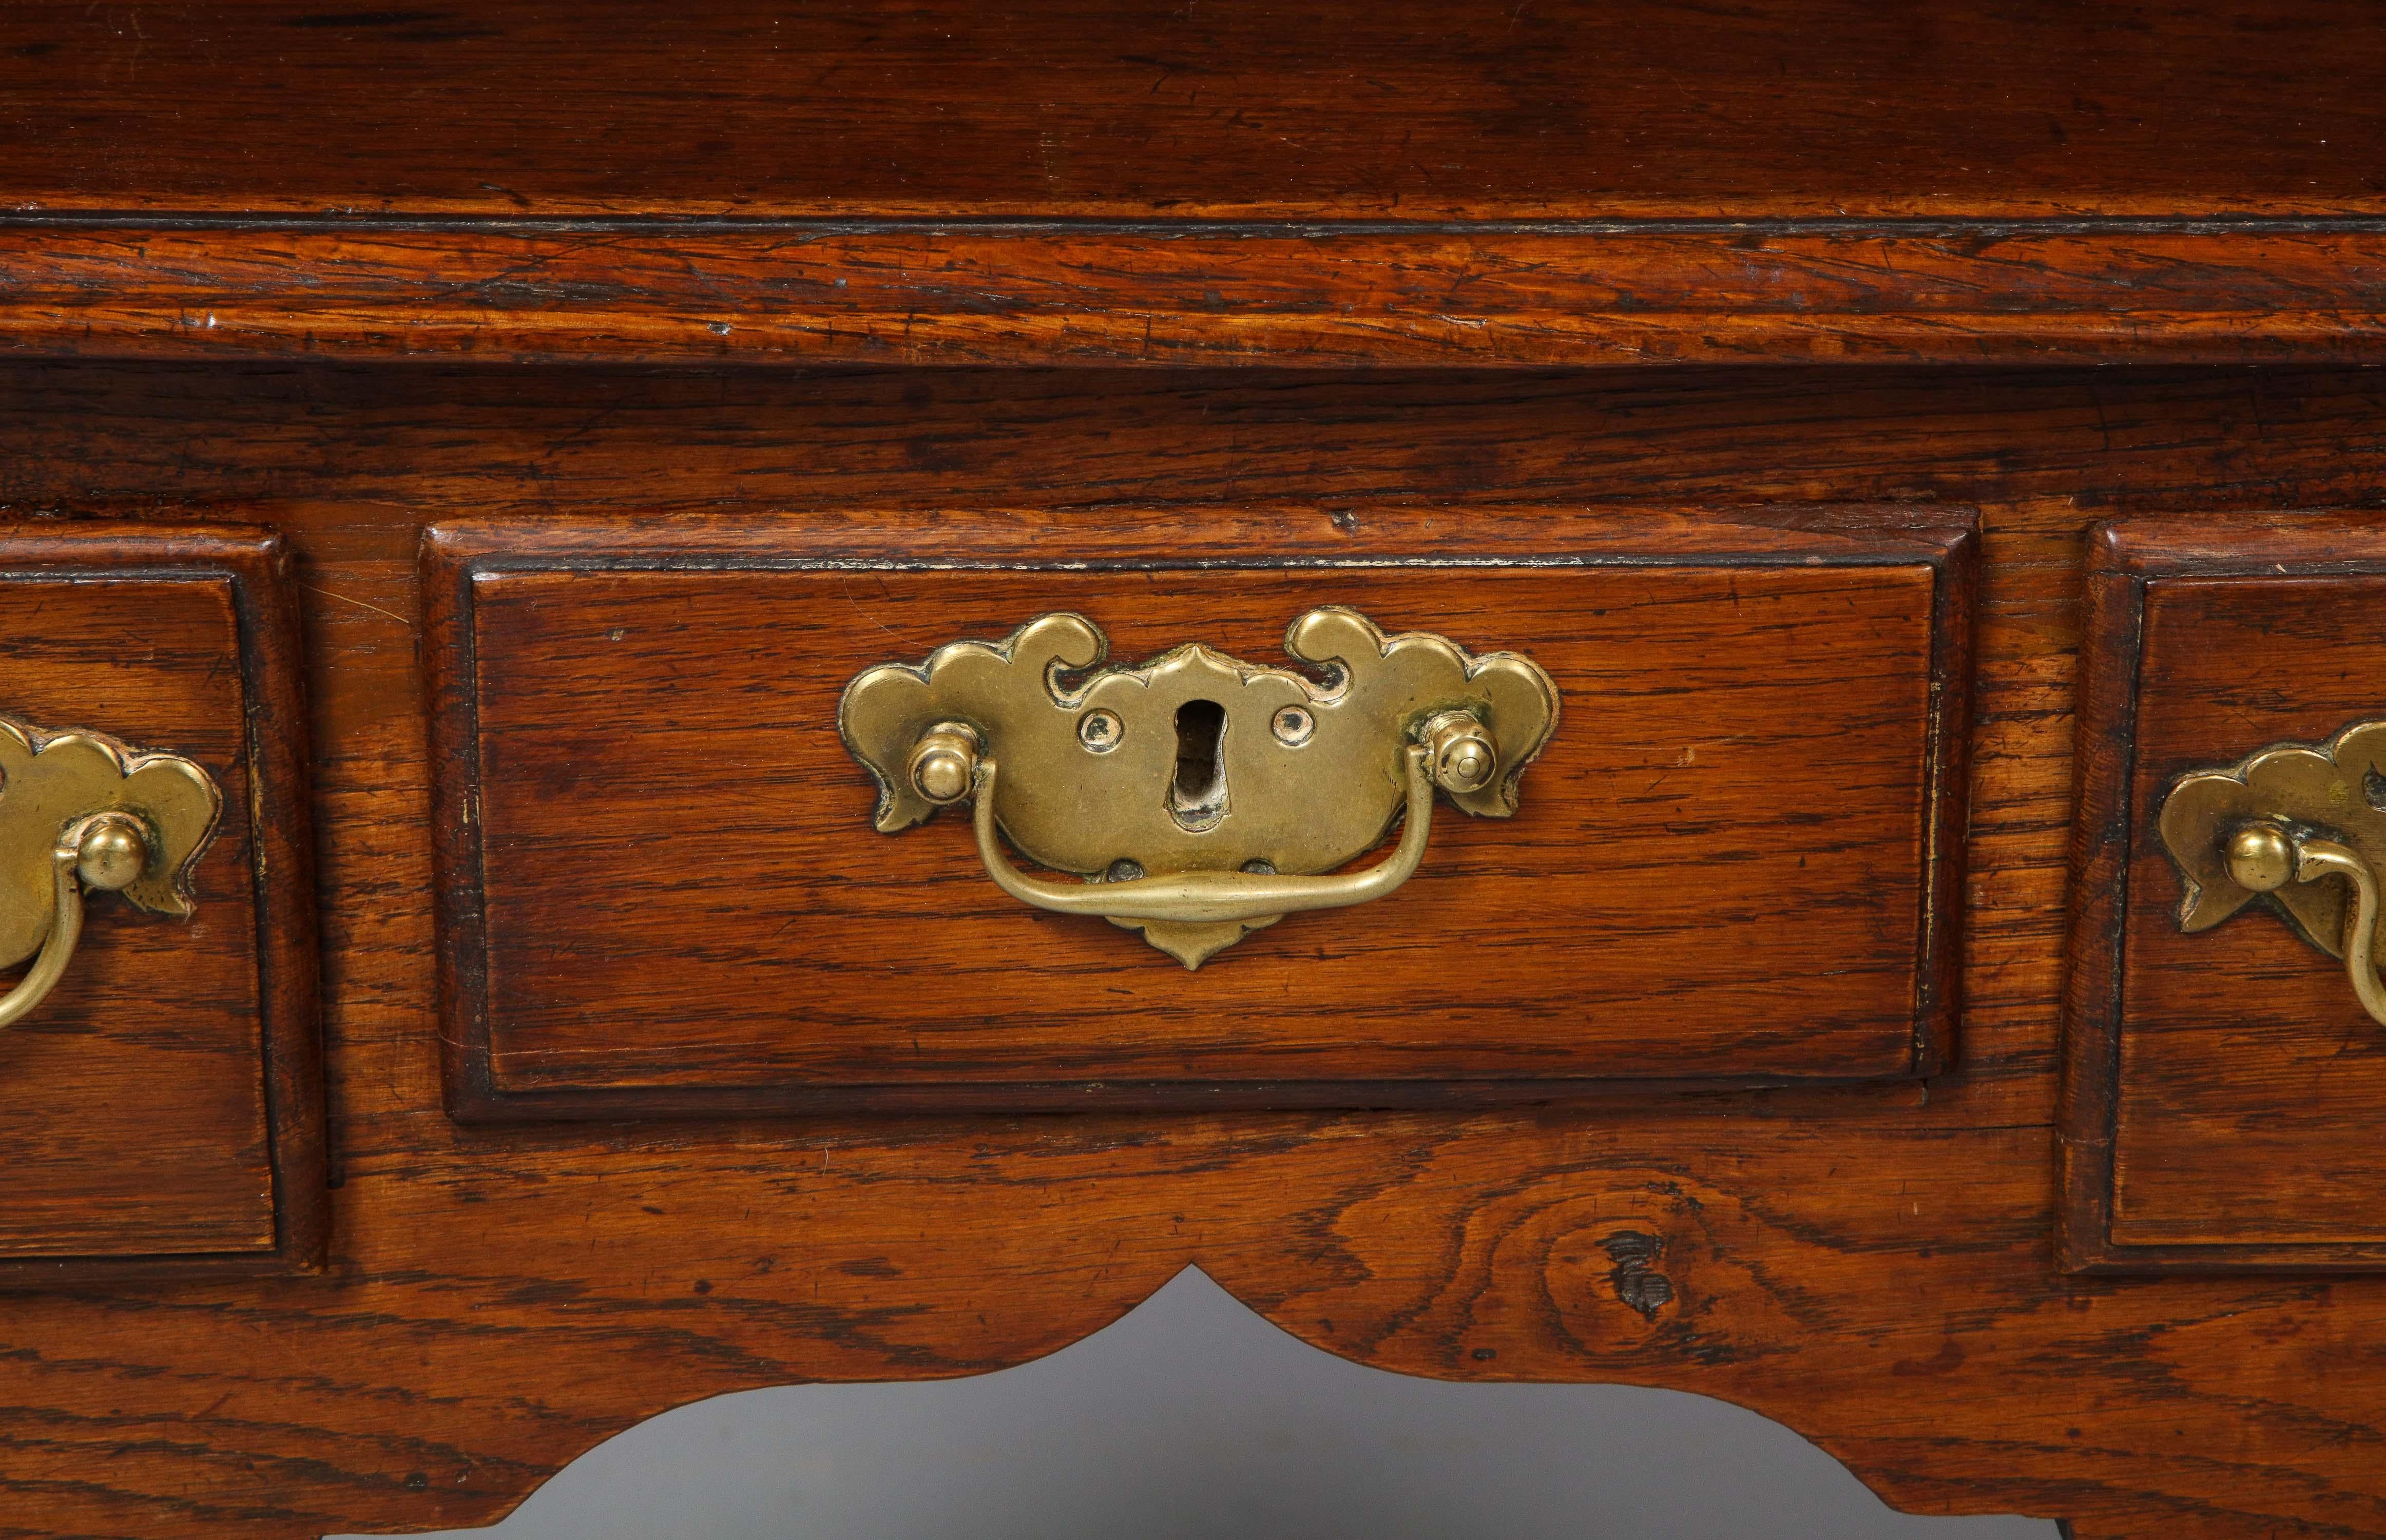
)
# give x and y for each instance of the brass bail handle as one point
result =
(2266, 856)
(1452, 751)
(108, 851)
(81, 813)
(1196, 798)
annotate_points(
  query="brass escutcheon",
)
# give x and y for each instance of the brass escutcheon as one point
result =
(2277, 824)
(79, 810)
(1197, 798)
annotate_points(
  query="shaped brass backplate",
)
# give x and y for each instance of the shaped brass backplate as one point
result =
(1202, 794)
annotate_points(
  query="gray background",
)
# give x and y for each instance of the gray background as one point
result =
(1192, 1417)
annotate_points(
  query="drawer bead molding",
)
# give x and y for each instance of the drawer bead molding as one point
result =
(1199, 799)
(2279, 822)
(79, 810)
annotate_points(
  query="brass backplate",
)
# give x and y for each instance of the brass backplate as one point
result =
(1195, 761)
(49, 781)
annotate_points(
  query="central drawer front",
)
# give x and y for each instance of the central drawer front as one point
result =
(664, 891)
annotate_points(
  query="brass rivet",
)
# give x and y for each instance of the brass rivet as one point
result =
(2261, 858)
(1293, 724)
(113, 853)
(1101, 730)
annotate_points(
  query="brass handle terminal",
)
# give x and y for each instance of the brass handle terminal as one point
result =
(1462, 755)
(943, 765)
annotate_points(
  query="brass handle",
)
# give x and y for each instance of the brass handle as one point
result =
(1215, 897)
(2266, 856)
(106, 851)
(82, 812)
(2276, 823)
(1199, 797)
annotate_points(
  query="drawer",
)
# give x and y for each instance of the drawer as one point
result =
(165, 1107)
(2223, 1079)
(1734, 861)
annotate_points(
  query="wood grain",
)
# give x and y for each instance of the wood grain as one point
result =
(1816, 109)
(2225, 1115)
(1758, 763)
(1791, 181)
(1311, 295)
(164, 1114)
(1873, 1266)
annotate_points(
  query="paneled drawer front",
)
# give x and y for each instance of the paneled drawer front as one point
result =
(2224, 1083)
(663, 892)
(163, 1107)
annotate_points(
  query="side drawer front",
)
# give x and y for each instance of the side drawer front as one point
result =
(663, 892)
(2222, 1079)
(164, 1111)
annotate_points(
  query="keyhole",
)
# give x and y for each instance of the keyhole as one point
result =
(1197, 796)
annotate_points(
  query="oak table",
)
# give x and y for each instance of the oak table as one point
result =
(1922, 451)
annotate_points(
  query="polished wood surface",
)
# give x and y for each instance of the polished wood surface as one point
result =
(1408, 110)
(164, 1113)
(1873, 1265)
(1182, 292)
(1734, 861)
(2226, 1083)
(1082, 182)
